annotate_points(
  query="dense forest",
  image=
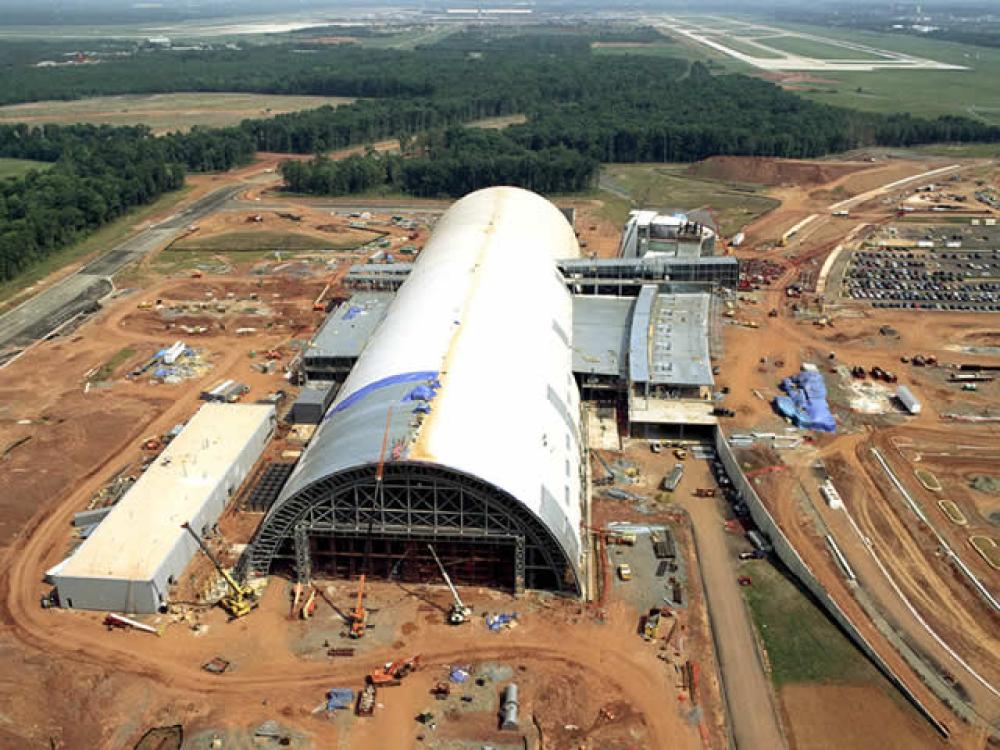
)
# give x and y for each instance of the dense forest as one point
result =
(580, 108)
(453, 162)
(98, 174)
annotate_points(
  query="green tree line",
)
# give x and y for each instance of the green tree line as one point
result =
(581, 109)
(98, 173)
(453, 162)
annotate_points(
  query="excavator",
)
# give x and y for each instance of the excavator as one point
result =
(393, 672)
(243, 599)
(458, 613)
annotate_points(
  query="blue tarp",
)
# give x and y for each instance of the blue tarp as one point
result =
(429, 376)
(339, 698)
(459, 675)
(496, 622)
(806, 403)
(352, 312)
(422, 392)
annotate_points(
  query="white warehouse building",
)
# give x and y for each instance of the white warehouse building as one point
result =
(130, 561)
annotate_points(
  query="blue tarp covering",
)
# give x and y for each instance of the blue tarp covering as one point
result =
(422, 392)
(496, 622)
(403, 377)
(339, 698)
(806, 403)
(352, 312)
(459, 675)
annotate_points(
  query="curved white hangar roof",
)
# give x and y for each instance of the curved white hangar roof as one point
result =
(471, 368)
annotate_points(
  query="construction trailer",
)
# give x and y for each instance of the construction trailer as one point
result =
(908, 400)
(140, 549)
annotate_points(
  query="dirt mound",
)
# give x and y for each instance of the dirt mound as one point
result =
(765, 171)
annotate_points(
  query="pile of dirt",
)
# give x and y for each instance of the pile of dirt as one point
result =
(766, 171)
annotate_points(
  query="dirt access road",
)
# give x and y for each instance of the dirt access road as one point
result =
(747, 688)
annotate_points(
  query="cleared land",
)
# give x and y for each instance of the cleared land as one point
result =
(18, 167)
(166, 112)
(235, 242)
(498, 123)
(673, 186)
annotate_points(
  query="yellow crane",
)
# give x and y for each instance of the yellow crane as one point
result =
(243, 599)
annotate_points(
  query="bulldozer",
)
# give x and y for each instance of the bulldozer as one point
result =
(241, 600)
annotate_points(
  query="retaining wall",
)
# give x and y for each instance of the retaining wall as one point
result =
(787, 554)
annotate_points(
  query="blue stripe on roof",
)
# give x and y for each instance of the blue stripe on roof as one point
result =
(403, 377)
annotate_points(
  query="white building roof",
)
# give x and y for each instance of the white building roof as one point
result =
(145, 525)
(485, 313)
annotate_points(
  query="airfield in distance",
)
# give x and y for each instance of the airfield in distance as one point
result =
(777, 49)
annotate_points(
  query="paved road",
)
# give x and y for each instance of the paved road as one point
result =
(747, 687)
(340, 208)
(80, 292)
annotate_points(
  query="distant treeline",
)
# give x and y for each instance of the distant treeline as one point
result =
(972, 23)
(99, 173)
(453, 162)
(581, 109)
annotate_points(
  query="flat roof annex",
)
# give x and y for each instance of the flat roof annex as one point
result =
(348, 329)
(143, 528)
(668, 342)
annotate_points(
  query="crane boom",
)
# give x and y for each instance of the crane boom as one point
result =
(243, 598)
(237, 589)
(459, 612)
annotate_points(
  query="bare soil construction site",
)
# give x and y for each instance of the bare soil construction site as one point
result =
(661, 649)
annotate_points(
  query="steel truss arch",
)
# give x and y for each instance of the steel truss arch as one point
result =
(416, 501)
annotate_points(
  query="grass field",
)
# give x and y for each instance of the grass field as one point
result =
(972, 92)
(409, 40)
(266, 242)
(802, 644)
(497, 123)
(931, 93)
(670, 186)
(960, 150)
(17, 167)
(103, 239)
(165, 112)
(797, 45)
(743, 45)
(105, 371)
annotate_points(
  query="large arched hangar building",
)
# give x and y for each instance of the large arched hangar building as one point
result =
(459, 423)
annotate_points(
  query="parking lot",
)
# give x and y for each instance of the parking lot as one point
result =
(928, 268)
